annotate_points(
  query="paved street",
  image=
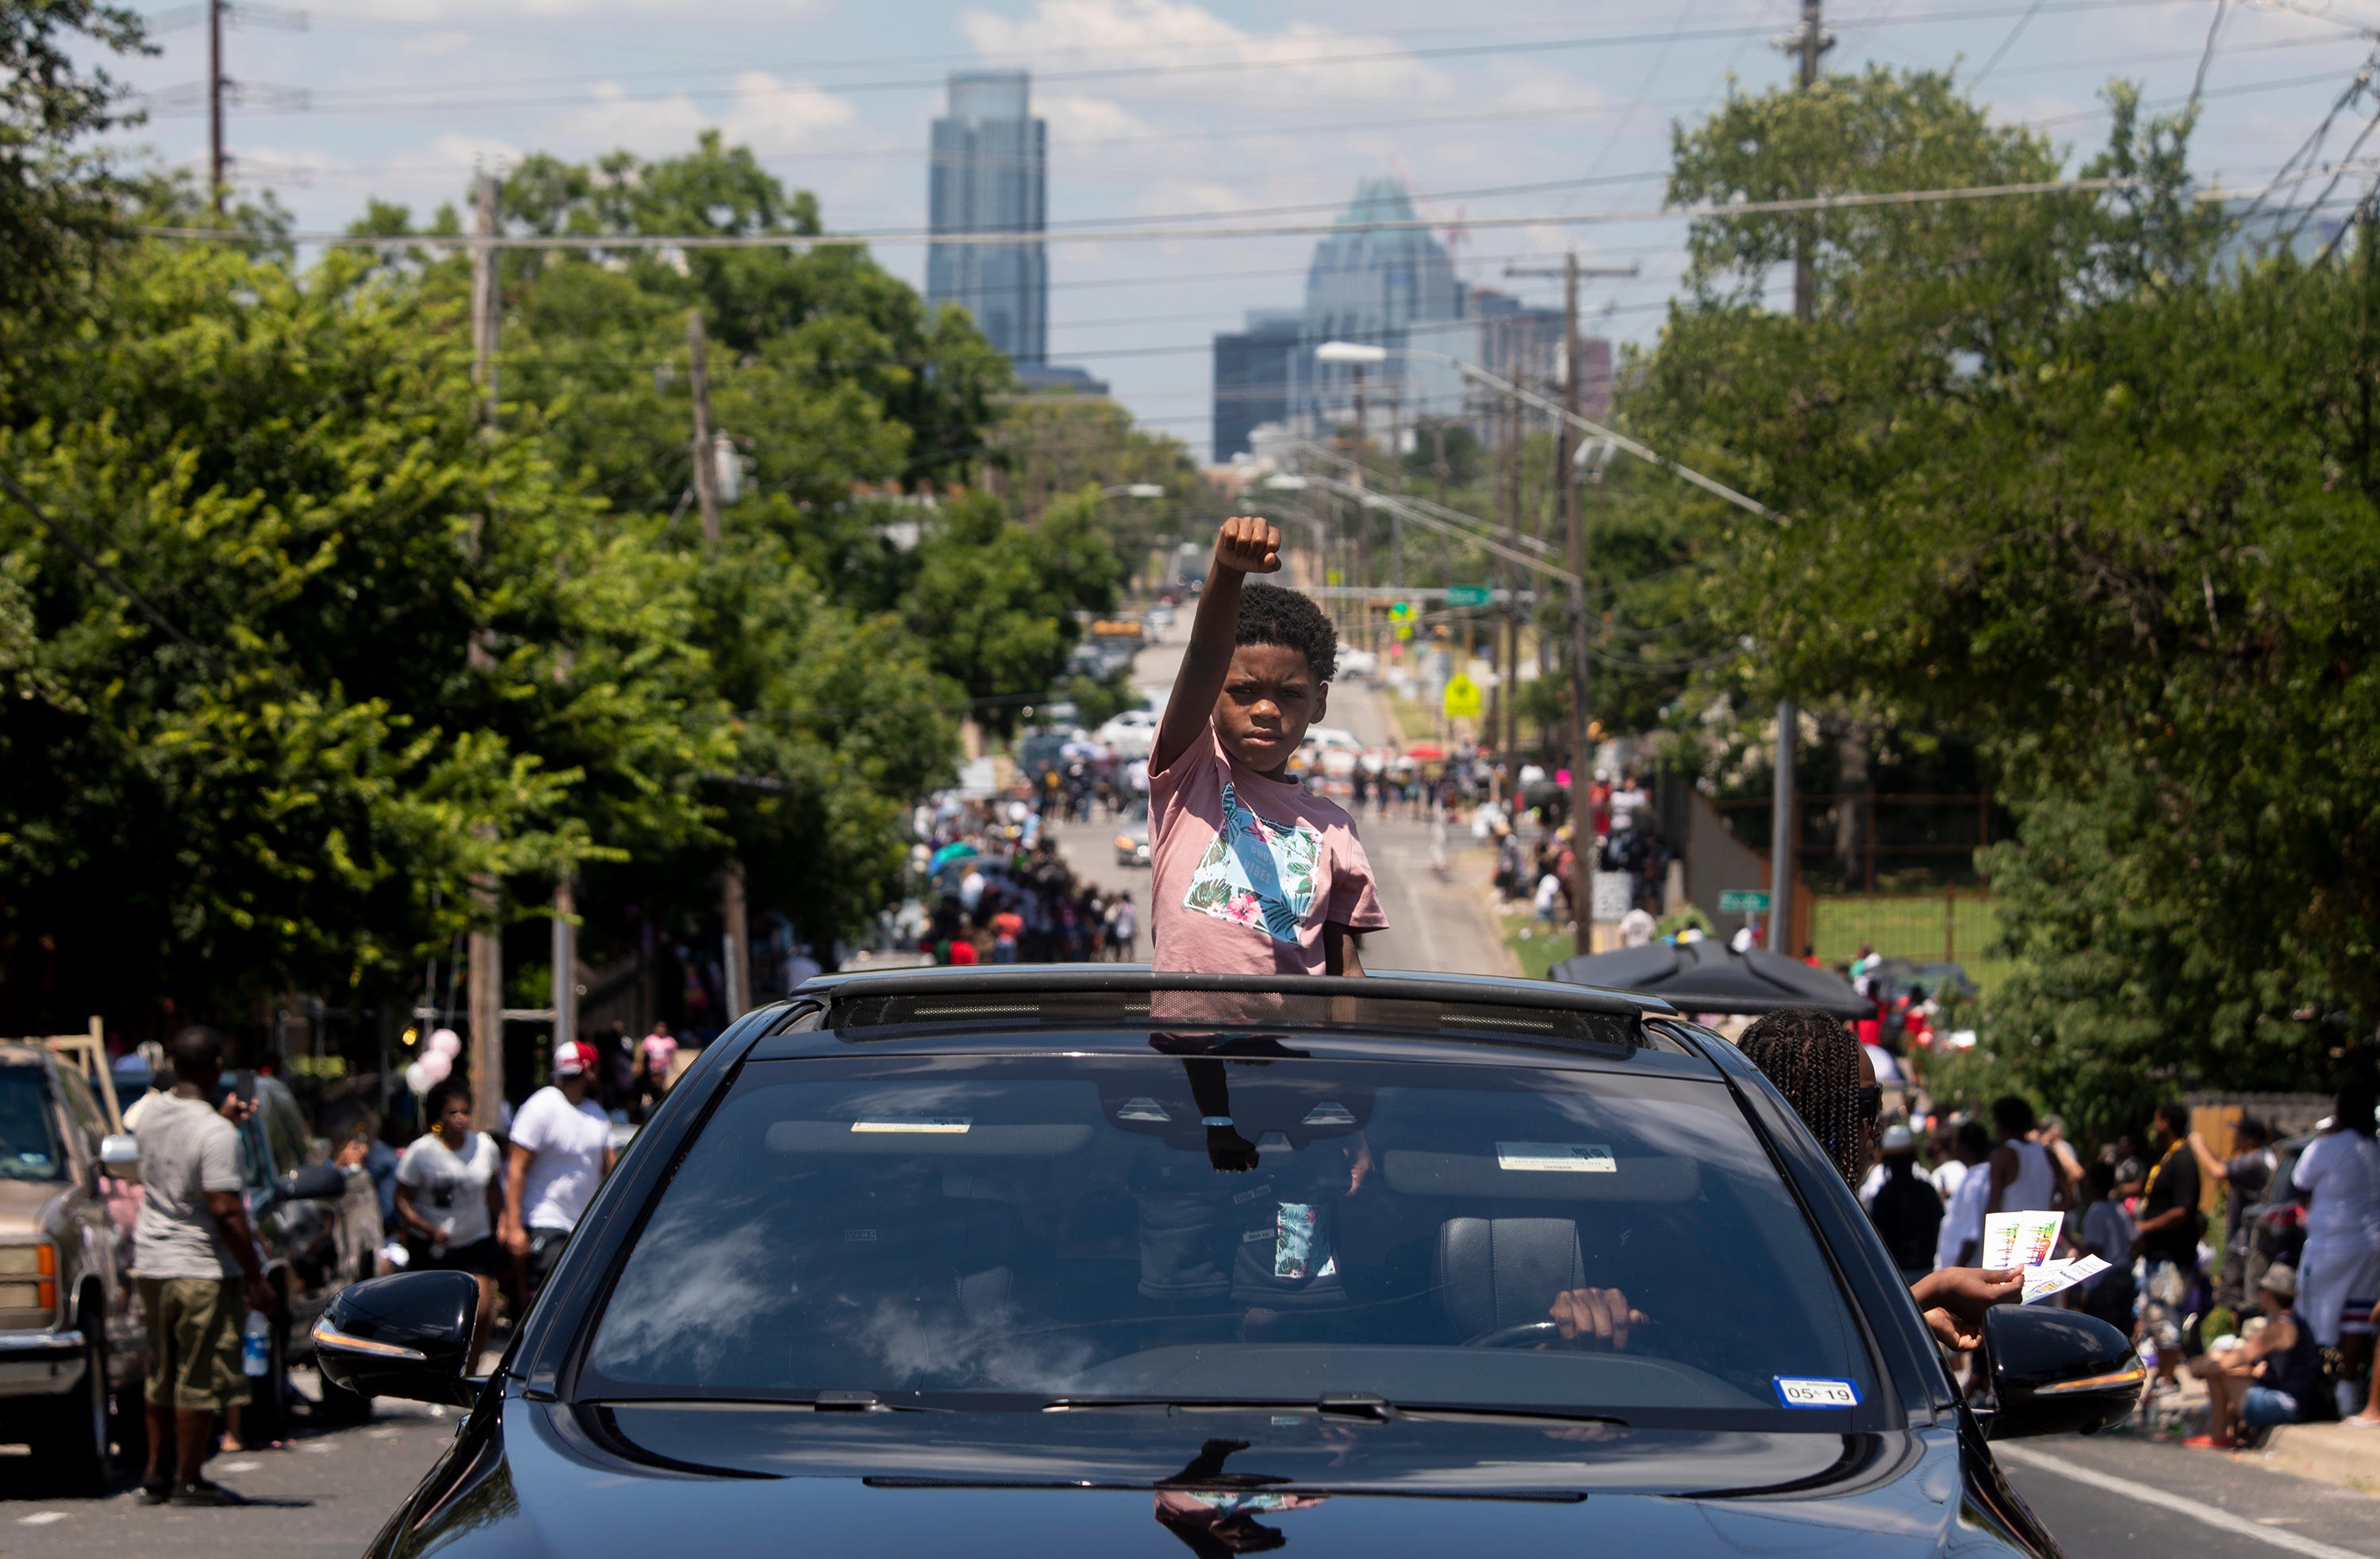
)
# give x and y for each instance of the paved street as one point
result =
(326, 1494)
(2122, 1494)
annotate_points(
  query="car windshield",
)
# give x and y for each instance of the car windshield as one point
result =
(1193, 1228)
(28, 1138)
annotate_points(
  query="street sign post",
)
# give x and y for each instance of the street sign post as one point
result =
(1743, 901)
(1467, 595)
(1461, 702)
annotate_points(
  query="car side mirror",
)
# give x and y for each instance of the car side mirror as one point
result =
(407, 1335)
(119, 1157)
(2056, 1371)
(316, 1182)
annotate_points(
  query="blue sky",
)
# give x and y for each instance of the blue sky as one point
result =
(1288, 104)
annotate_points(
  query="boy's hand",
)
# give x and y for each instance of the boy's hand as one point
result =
(1247, 545)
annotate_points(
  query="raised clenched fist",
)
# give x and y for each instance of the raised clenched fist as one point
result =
(1247, 544)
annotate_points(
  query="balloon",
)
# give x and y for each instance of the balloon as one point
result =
(446, 1042)
(435, 1067)
(414, 1080)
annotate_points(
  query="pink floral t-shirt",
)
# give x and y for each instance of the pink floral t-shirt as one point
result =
(1246, 870)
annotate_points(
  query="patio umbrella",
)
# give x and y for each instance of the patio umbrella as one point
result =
(1426, 751)
(948, 854)
(1709, 975)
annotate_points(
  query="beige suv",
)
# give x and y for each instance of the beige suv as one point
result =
(70, 1323)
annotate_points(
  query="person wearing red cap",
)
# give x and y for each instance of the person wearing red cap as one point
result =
(561, 1151)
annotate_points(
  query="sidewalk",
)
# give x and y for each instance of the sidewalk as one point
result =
(2347, 1458)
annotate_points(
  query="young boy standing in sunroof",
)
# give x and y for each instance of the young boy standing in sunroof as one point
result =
(1251, 875)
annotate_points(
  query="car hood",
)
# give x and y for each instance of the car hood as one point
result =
(548, 1479)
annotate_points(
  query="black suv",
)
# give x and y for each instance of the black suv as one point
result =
(1093, 1259)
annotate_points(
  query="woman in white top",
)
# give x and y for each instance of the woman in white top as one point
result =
(450, 1197)
(2025, 1178)
(2339, 1275)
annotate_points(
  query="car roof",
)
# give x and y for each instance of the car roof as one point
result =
(951, 980)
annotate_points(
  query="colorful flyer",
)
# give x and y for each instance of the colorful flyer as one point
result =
(2019, 1239)
(2056, 1277)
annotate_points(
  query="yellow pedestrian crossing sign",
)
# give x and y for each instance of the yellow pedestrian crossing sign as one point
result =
(1461, 702)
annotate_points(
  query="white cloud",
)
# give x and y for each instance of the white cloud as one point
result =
(764, 113)
(1300, 59)
(425, 12)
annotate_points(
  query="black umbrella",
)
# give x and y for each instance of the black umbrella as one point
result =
(1712, 977)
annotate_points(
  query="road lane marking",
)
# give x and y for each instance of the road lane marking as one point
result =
(41, 1518)
(2195, 1509)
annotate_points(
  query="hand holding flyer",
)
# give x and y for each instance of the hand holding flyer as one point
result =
(2026, 1239)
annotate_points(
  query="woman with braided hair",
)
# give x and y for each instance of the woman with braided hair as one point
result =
(1827, 1077)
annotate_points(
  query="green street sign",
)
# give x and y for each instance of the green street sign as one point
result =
(1467, 595)
(1743, 901)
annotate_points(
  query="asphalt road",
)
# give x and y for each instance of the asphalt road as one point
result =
(325, 1495)
(2121, 1493)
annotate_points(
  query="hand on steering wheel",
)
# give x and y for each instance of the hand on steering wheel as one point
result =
(1600, 1315)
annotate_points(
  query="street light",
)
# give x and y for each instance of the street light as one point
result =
(1351, 353)
(1284, 482)
(1134, 490)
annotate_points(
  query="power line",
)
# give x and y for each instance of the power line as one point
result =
(441, 100)
(690, 241)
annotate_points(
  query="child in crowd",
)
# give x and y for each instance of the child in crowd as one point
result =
(1251, 874)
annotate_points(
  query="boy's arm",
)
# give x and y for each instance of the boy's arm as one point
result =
(1341, 953)
(1244, 545)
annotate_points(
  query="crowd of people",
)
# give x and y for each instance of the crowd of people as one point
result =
(999, 891)
(2303, 1316)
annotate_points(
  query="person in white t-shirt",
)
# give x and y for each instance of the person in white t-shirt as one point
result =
(561, 1149)
(448, 1196)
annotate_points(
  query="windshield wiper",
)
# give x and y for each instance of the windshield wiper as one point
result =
(1365, 1406)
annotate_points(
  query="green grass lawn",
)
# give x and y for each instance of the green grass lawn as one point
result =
(1537, 945)
(1924, 927)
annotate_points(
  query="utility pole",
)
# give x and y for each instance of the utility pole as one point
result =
(737, 935)
(566, 961)
(486, 303)
(215, 104)
(736, 931)
(1809, 43)
(1582, 748)
(706, 473)
(486, 946)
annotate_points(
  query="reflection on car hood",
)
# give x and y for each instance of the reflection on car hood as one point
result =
(737, 1480)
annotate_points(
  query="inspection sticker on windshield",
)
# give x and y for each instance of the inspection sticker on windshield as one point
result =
(1795, 1392)
(1556, 1158)
(929, 1126)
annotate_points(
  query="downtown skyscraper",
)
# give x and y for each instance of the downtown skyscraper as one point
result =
(988, 174)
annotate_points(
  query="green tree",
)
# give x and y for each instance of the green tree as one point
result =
(59, 196)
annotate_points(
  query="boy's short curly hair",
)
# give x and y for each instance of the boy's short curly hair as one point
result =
(1269, 614)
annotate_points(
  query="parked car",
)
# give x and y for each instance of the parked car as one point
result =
(1132, 839)
(1034, 1257)
(1130, 735)
(72, 1347)
(1329, 751)
(1355, 663)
